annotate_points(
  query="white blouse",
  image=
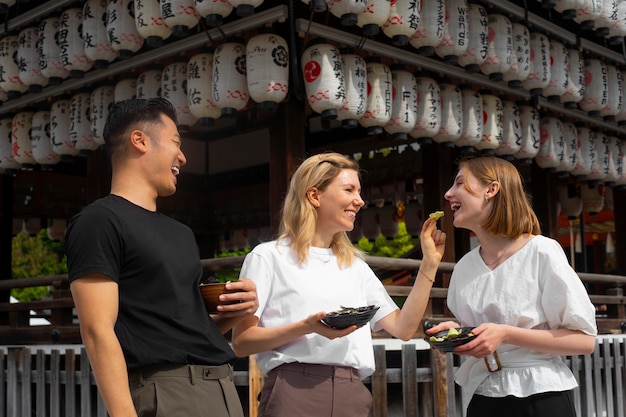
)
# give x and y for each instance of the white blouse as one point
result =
(535, 288)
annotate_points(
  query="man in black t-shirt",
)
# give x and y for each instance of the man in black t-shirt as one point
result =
(134, 276)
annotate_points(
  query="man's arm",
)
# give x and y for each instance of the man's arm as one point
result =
(96, 300)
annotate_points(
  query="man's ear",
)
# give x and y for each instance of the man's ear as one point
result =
(313, 196)
(139, 140)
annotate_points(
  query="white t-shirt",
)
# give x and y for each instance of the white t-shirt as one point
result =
(535, 289)
(289, 292)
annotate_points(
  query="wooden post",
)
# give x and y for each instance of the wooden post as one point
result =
(440, 383)
(379, 382)
(255, 383)
(409, 380)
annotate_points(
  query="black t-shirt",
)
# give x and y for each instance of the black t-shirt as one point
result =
(156, 263)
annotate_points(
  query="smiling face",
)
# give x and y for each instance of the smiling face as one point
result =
(467, 201)
(166, 157)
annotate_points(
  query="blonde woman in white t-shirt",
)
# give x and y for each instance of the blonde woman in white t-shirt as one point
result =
(311, 369)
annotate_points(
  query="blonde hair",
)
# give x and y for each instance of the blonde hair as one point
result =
(512, 214)
(298, 217)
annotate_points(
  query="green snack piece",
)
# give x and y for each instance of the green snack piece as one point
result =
(436, 215)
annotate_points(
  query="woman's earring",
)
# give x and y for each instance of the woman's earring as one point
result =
(486, 199)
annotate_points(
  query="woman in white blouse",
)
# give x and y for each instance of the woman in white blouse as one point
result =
(526, 304)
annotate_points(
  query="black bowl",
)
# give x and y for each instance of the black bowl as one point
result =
(450, 342)
(348, 316)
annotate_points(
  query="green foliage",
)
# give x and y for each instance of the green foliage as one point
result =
(34, 256)
(390, 248)
(229, 274)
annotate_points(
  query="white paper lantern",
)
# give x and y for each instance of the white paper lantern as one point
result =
(551, 136)
(149, 82)
(456, 33)
(214, 11)
(606, 18)
(530, 124)
(80, 124)
(378, 108)
(371, 222)
(102, 98)
(28, 58)
(347, 10)
(125, 88)
(585, 152)
(559, 64)
(618, 152)
(56, 229)
(568, 151)
(402, 21)
(22, 145)
(428, 120)
(49, 52)
(174, 89)
(539, 75)
(596, 87)
(592, 196)
(575, 79)
(122, 31)
(324, 79)
(180, 15)
(60, 130)
(520, 65)
(403, 104)
(511, 141)
(230, 86)
(387, 220)
(570, 201)
(355, 73)
(199, 88)
(492, 123)
(472, 124)
(620, 117)
(40, 139)
(612, 174)
(429, 33)
(267, 65)
(374, 16)
(617, 31)
(9, 71)
(588, 13)
(149, 23)
(71, 43)
(245, 8)
(478, 42)
(413, 218)
(568, 8)
(451, 115)
(7, 162)
(500, 47)
(96, 41)
(614, 102)
(599, 159)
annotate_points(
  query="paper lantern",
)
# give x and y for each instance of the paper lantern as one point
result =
(596, 87)
(71, 43)
(230, 86)
(60, 130)
(539, 75)
(7, 162)
(428, 120)
(378, 106)
(355, 73)
(587, 13)
(56, 229)
(267, 65)
(455, 32)
(21, 142)
(180, 15)
(122, 31)
(174, 89)
(347, 10)
(492, 123)
(413, 218)
(620, 117)
(402, 21)
(80, 124)
(199, 88)
(520, 64)
(551, 135)
(568, 150)
(606, 18)
(618, 152)
(213, 11)
(478, 42)
(149, 82)
(617, 30)
(387, 220)
(3, 96)
(49, 52)
(570, 201)
(403, 103)
(371, 222)
(429, 33)
(96, 41)
(451, 115)
(32, 226)
(149, 23)
(530, 124)
(567, 8)
(125, 88)
(585, 152)
(245, 8)
(559, 64)
(10, 80)
(472, 124)
(614, 101)
(592, 196)
(40, 139)
(28, 58)
(324, 79)
(102, 98)
(511, 141)
(599, 159)
(575, 79)
(612, 174)
(374, 16)
(500, 47)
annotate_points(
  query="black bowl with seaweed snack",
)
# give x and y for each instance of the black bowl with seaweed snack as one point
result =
(447, 340)
(348, 316)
